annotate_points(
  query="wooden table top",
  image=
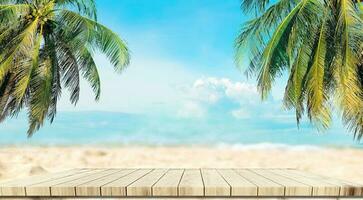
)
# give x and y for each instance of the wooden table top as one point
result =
(180, 183)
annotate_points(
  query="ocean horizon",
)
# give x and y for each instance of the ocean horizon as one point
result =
(115, 129)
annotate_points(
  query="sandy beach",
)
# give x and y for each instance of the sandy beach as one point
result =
(24, 161)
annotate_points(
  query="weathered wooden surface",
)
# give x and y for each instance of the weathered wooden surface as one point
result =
(186, 183)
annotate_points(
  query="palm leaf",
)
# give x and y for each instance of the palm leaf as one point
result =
(316, 97)
(24, 72)
(265, 78)
(47, 45)
(320, 45)
(89, 71)
(41, 87)
(346, 74)
(23, 45)
(56, 77)
(99, 37)
(294, 92)
(70, 70)
(257, 5)
(10, 12)
(86, 7)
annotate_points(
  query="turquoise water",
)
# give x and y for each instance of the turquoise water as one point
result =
(123, 129)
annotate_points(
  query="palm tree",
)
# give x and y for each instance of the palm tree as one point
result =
(46, 45)
(319, 45)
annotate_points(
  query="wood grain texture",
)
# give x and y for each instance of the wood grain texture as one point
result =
(239, 185)
(43, 189)
(292, 187)
(18, 187)
(118, 187)
(93, 188)
(169, 183)
(143, 186)
(320, 188)
(266, 187)
(68, 188)
(184, 183)
(191, 183)
(214, 183)
(347, 188)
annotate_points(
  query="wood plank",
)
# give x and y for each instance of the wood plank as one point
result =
(93, 188)
(292, 187)
(43, 189)
(214, 183)
(143, 186)
(185, 183)
(346, 188)
(265, 186)
(239, 186)
(68, 188)
(191, 183)
(168, 184)
(320, 189)
(17, 187)
(41, 176)
(118, 187)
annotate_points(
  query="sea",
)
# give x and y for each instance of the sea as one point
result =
(118, 129)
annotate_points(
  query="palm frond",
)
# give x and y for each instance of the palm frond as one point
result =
(20, 45)
(56, 90)
(41, 95)
(10, 12)
(5, 98)
(99, 37)
(70, 70)
(6, 1)
(294, 92)
(47, 45)
(320, 45)
(86, 7)
(89, 71)
(318, 111)
(272, 56)
(349, 90)
(257, 5)
(6, 87)
(257, 32)
(24, 72)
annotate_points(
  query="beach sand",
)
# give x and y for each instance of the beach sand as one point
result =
(16, 162)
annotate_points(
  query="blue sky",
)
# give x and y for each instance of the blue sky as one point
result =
(182, 63)
(173, 45)
(182, 84)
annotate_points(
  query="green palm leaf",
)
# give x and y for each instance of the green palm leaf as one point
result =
(10, 12)
(24, 72)
(271, 52)
(316, 98)
(89, 71)
(349, 89)
(99, 37)
(320, 44)
(47, 45)
(41, 88)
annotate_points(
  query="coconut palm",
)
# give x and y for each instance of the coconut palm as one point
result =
(47, 45)
(319, 45)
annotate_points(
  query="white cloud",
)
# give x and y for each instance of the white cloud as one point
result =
(240, 90)
(235, 98)
(216, 88)
(208, 92)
